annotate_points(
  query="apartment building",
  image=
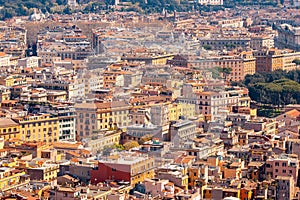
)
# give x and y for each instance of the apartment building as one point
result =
(101, 139)
(115, 113)
(182, 131)
(288, 37)
(74, 88)
(129, 167)
(156, 79)
(140, 116)
(288, 60)
(13, 40)
(181, 110)
(259, 42)
(150, 58)
(160, 187)
(29, 62)
(96, 116)
(212, 102)
(4, 59)
(66, 43)
(136, 131)
(283, 165)
(268, 60)
(12, 80)
(174, 173)
(114, 78)
(285, 187)
(209, 103)
(4, 93)
(159, 114)
(198, 174)
(241, 64)
(45, 171)
(92, 81)
(221, 43)
(11, 178)
(226, 23)
(65, 193)
(86, 119)
(39, 127)
(9, 129)
(66, 115)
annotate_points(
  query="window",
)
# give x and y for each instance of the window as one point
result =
(113, 169)
(283, 171)
(276, 163)
(283, 164)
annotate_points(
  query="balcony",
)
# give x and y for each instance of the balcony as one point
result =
(14, 186)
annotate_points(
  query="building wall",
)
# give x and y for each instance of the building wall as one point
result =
(9, 181)
(61, 195)
(285, 188)
(98, 144)
(86, 119)
(82, 171)
(178, 180)
(281, 167)
(39, 128)
(10, 132)
(134, 172)
(288, 37)
(4, 59)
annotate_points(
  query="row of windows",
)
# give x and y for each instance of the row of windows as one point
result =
(39, 124)
(39, 130)
(9, 130)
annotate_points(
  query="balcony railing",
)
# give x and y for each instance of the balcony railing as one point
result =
(10, 187)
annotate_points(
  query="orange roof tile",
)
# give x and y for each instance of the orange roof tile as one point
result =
(293, 113)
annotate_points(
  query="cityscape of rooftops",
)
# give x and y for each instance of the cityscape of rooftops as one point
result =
(149, 99)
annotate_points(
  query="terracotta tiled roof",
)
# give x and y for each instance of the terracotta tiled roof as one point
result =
(4, 122)
(293, 113)
(64, 145)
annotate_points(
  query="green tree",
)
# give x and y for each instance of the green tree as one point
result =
(207, 47)
(225, 71)
(296, 61)
(274, 93)
(130, 144)
(145, 138)
(67, 10)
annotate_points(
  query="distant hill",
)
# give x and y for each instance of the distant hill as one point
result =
(25, 7)
(12, 8)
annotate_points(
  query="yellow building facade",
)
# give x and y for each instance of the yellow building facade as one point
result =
(42, 128)
(9, 129)
(181, 109)
(11, 178)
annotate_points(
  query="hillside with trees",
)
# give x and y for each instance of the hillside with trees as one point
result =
(25, 7)
(277, 88)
